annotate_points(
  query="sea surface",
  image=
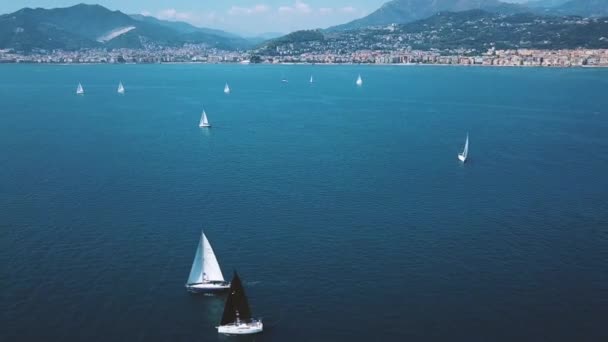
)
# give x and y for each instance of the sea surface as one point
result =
(344, 209)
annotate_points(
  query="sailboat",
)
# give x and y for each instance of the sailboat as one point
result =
(359, 81)
(463, 156)
(80, 89)
(226, 89)
(236, 319)
(311, 80)
(284, 79)
(204, 122)
(205, 274)
(121, 88)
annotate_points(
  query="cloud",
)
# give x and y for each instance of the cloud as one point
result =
(173, 14)
(302, 7)
(195, 18)
(257, 9)
(298, 7)
(348, 9)
(285, 9)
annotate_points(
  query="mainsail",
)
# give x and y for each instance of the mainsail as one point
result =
(359, 81)
(237, 306)
(204, 122)
(121, 88)
(196, 272)
(465, 152)
(226, 89)
(79, 90)
(205, 266)
(211, 268)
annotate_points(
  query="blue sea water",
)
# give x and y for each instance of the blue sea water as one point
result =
(344, 209)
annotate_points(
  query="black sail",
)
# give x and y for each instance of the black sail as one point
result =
(237, 305)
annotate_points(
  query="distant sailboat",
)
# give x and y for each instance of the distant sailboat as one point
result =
(236, 319)
(311, 79)
(80, 89)
(226, 89)
(359, 81)
(284, 79)
(463, 156)
(205, 274)
(204, 122)
(121, 88)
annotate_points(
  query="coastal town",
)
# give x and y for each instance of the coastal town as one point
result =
(203, 54)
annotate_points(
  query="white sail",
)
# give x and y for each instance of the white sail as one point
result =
(204, 122)
(465, 152)
(121, 88)
(311, 80)
(226, 89)
(359, 81)
(79, 90)
(205, 267)
(196, 272)
(211, 268)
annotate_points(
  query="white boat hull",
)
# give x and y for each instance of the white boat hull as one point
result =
(249, 328)
(208, 287)
(204, 125)
(462, 158)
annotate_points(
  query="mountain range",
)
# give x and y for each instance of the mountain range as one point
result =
(475, 31)
(89, 26)
(94, 26)
(406, 11)
(586, 8)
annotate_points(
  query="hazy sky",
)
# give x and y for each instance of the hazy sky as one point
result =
(246, 17)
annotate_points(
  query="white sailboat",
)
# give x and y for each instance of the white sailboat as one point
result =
(311, 79)
(80, 89)
(237, 318)
(226, 89)
(204, 121)
(205, 274)
(359, 81)
(121, 88)
(463, 156)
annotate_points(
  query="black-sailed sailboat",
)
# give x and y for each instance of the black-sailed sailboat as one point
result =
(237, 319)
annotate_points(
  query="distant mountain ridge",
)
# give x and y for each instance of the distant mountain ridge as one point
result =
(182, 27)
(473, 30)
(405, 11)
(94, 26)
(586, 8)
(88, 26)
(545, 3)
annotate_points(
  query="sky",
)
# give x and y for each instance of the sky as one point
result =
(245, 17)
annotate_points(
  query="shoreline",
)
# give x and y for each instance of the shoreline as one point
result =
(328, 65)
